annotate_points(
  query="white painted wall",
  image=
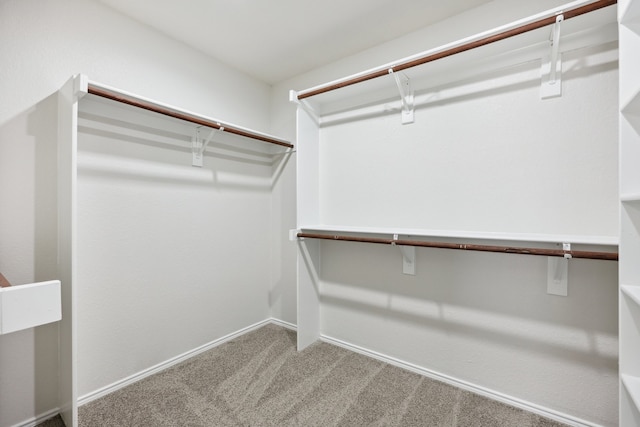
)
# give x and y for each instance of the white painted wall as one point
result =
(42, 43)
(480, 318)
(487, 156)
(170, 257)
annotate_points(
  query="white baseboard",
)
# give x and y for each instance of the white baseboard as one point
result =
(283, 324)
(491, 394)
(89, 397)
(38, 419)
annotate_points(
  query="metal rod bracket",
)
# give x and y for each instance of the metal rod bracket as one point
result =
(567, 248)
(551, 84)
(198, 146)
(406, 96)
(558, 273)
(408, 257)
(557, 276)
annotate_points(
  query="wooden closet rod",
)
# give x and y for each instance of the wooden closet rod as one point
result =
(568, 14)
(608, 256)
(98, 91)
(4, 283)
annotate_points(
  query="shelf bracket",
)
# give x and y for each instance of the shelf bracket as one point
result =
(406, 96)
(551, 85)
(198, 146)
(408, 257)
(558, 273)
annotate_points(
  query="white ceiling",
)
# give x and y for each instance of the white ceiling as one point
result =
(273, 40)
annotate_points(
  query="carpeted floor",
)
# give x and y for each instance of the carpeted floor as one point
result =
(260, 379)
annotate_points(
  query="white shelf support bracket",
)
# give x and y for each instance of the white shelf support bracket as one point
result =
(558, 273)
(408, 257)
(302, 103)
(198, 146)
(406, 96)
(551, 71)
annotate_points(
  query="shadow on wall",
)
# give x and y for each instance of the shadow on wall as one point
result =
(497, 298)
(114, 142)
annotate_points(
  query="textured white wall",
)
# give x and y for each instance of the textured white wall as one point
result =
(43, 43)
(481, 318)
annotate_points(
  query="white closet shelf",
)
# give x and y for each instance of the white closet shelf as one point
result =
(630, 197)
(124, 97)
(632, 106)
(630, 14)
(458, 234)
(632, 292)
(632, 384)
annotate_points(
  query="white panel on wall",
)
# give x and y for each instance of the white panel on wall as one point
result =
(629, 18)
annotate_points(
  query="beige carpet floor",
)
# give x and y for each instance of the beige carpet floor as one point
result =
(259, 379)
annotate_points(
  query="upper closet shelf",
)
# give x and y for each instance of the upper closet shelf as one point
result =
(118, 95)
(584, 23)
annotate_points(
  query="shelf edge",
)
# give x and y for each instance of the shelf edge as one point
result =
(457, 234)
(632, 292)
(632, 384)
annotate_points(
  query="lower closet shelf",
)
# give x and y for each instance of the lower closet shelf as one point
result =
(632, 384)
(632, 292)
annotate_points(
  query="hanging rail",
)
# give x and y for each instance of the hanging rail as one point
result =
(568, 14)
(608, 256)
(4, 283)
(98, 91)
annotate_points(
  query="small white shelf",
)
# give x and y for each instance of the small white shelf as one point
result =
(459, 234)
(632, 292)
(632, 384)
(30, 305)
